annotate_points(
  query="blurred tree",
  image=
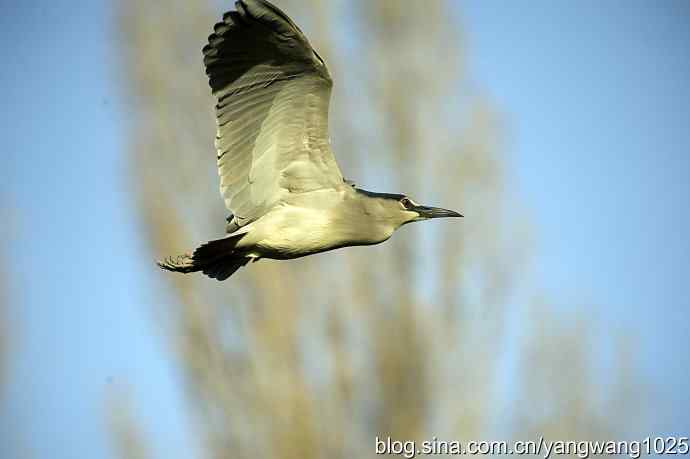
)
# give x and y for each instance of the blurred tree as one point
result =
(129, 438)
(4, 335)
(12, 443)
(406, 339)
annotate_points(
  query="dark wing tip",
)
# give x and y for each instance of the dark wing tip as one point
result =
(253, 11)
(256, 32)
(271, 15)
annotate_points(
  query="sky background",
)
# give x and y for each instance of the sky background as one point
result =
(596, 102)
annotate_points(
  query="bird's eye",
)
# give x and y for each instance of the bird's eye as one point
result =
(406, 203)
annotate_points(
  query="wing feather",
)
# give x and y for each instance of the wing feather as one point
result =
(272, 92)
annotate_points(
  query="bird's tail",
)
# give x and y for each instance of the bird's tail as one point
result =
(216, 259)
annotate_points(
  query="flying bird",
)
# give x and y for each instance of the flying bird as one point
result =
(278, 175)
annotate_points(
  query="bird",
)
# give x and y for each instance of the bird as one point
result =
(278, 175)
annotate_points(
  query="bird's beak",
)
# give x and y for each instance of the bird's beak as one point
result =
(434, 212)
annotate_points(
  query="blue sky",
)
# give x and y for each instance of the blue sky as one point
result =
(597, 105)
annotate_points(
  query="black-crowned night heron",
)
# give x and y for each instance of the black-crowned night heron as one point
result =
(278, 175)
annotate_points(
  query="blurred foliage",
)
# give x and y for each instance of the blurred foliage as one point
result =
(315, 357)
(7, 335)
(4, 335)
(11, 443)
(129, 438)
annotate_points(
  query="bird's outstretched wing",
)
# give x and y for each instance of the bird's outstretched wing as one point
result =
(272, 93)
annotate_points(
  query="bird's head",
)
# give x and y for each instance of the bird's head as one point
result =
(413, 212)
(397, 209)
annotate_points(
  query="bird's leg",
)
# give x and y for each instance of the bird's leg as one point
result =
(232, 225)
